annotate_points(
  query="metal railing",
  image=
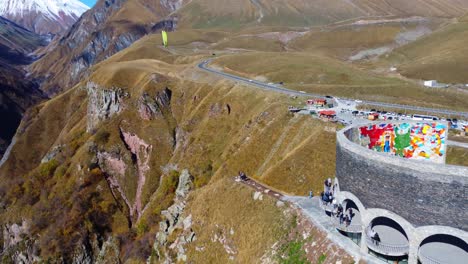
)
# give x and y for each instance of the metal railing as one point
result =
(428, 260)
(386, 248)
(352, 228)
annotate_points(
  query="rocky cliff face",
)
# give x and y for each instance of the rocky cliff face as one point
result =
(176, 220)
(17, 245)
(149, 107)
(103, 104)
(109, 27)
(20, 247)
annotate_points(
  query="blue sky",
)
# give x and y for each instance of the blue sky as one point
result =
(89, 3)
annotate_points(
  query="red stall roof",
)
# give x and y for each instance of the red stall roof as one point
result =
(328, 112)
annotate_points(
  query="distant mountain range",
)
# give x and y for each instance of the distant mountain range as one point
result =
(43, 16)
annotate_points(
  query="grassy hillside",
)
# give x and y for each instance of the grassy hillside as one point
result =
(212, 127)
(16, 43)
(258, 231)
(319, 74)
(106, 29)
(296, 13)
(457, 156)
(440, 56)
(376, 36)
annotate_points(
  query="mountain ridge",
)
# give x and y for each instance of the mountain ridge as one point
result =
(43, 16)
(110, 27)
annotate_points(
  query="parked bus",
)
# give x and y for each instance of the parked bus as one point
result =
(424, 118)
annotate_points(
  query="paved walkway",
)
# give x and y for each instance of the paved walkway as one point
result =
(457, 144)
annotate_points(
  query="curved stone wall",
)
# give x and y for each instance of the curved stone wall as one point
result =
(422, 192)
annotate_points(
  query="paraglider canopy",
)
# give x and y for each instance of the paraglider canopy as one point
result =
(164, 38)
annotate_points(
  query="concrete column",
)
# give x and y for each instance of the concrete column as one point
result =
(365, 222)
(413, 252)
(364, 249)
(415, 240)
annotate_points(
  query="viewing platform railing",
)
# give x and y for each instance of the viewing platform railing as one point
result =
(428, 260)
(351, 228)
(386, 248)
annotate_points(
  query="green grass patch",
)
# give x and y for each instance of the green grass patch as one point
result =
(322, 259)
(293, 253)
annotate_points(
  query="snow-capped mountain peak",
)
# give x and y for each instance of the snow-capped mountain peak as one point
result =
(39, 15)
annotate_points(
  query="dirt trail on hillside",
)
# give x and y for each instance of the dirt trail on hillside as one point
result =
(260, 188)
(277, 145)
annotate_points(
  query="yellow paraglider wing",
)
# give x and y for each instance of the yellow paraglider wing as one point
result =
(164, 37)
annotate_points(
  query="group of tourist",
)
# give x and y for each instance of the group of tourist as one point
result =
(337, 210)
(328, 192)
(344, 216)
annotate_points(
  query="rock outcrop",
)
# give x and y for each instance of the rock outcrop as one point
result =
(90, 252)
(102, 104)
(142, 151)
(17, 246)
(52, 153)
(164, 246)
(148, 106)
(116, 169)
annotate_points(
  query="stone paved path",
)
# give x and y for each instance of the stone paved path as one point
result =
(457, 144)
(311, 208)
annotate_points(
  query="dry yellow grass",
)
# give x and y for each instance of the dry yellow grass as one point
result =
(440, 56)
(224, 206)
(234, 15)
(324, 75)
(342, 42)
(457, 156)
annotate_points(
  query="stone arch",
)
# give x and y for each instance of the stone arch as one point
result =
(343, 196)
(425, 232)
(441, 243)
(374, 213)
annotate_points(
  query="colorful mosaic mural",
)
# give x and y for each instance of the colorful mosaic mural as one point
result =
(408, 140)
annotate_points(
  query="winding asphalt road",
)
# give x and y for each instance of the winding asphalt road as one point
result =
(443, 112)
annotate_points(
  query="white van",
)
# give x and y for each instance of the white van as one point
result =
(424, 118)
